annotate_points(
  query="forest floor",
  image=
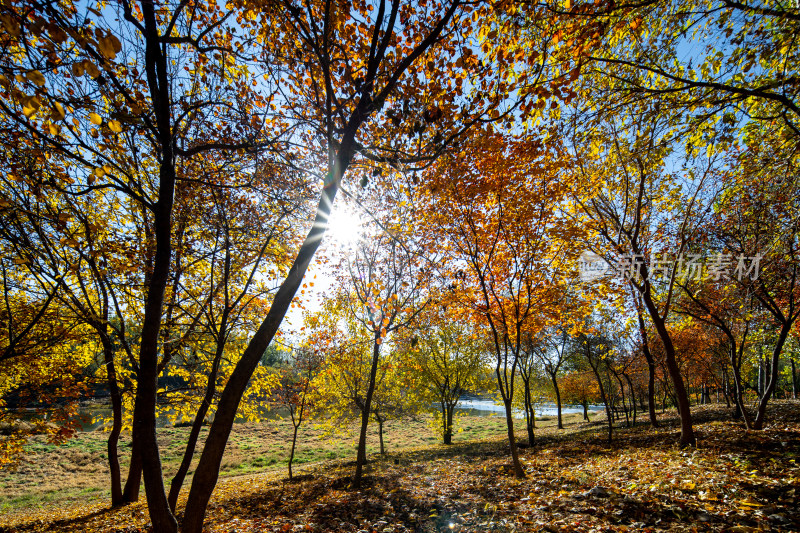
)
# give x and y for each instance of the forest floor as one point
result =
(734, 481)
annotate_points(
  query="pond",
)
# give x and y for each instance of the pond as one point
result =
(483, 407)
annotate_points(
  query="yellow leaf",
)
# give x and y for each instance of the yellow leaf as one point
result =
(115, 126)
(115, 43)
(55, 129)
(58, 112)
(95, 118)
(10, 25)
(106, 47)
(91, 69)
(750, 502)
(36, 77)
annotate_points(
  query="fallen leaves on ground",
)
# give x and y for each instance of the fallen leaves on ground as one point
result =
(734, 481)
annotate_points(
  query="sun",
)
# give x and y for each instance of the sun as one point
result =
(344, 226)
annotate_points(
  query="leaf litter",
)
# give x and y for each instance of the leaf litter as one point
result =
(734, 482)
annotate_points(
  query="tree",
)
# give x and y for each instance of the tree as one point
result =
(61, 235)
(295, 389)
(498, 210)
(449, 356)
(529, 372)
(241, 233)
(762, 221)
(388, 291)
(346, 376)
(552, 354)
(579, 387)
(596, 351)
(646, 218)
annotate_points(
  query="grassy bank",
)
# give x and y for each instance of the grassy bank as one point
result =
(734, 481)
(55, 477)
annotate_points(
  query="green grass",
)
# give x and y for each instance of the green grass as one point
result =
(78, 469)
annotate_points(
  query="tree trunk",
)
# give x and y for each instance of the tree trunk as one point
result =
(651, 370)
(773, 378)
(633, 397)
(622, 396)
(361, 456)
(380, 434)
(725, 387)
(558, 400)
(130, 493)
(519, 472)
(530, 424)
(291, 451)
(207, 473)
(585, 410)
(603, 395)
(687, 429)
(144, 413)
(741, 408)
(197, 424)
(794, 380)
(447, 422)
(116, 424)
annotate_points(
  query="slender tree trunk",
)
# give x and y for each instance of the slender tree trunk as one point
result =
(447, 432)
(116, 423)
(603, 396)
(794, 380)
(361, 457)
(726, 387)
(741, 408)
(519, 473)
(197, 424)
(773, 378)
(144, 413)
(447, 422)
(130, 493)
(558, 400)
(651, 370)
(380, 434)
(633, 397)
(622, 396)
(291, 451)
(651, 390)
(585, 410)
(194, 433)
(530, 424)
(682, 398)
